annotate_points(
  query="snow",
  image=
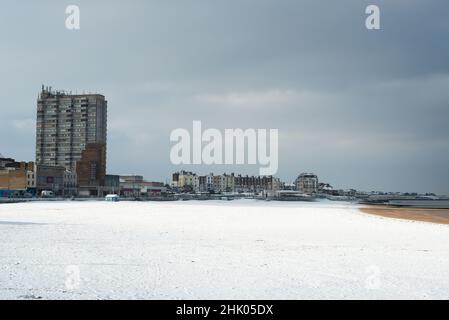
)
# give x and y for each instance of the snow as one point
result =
(243, 249)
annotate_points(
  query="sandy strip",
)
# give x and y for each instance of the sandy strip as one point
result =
(418, 214)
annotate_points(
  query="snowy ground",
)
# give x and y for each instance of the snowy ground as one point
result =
(240, 249)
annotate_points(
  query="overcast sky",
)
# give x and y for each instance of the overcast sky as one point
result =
(364, 109)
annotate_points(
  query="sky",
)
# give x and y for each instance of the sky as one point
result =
(365, 109)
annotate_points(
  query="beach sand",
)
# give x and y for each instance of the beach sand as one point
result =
(241, 249)
(419, 214)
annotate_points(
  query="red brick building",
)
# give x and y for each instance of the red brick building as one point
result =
(91, 169)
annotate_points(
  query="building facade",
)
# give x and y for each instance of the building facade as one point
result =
(256, 184)
(13, 181)
(16, 178)
(112, 184)
(151, 188)
(31, 179)
(184, 180)
(66, 124)
(224, 183)
(136, 186)
(50, 178)
(70, 182)
(91, 168)
(206, 183)
(307, 183)
(130, 185)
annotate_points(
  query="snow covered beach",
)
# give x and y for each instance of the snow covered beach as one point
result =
(243, 249)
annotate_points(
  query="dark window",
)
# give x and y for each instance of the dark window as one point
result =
(93, 170)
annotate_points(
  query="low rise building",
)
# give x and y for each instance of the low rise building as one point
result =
(31, 180)
(217, 186)
(189, 181)
(196, 183)
(5, 161)
(50, 178)
(256, 184)
(134, 186)
(224, 183)
(70, 181)
(151, 189)
(206, 183)
(307, 183)
(16, 177)
(112, 184)
(12, 182)
(184, 180)
(130, 185)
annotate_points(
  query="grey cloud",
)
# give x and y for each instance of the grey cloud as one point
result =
(363, 109)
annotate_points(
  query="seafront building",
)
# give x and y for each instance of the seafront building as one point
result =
(206, 183)
(16, 178)
(71, 132)
(66, 124)
(307, 183)
(50, 178)
(224, 183)
(186, 181)
(134, 186)
(26, 179)
(112, 183)
(256, 184)
(183, 179)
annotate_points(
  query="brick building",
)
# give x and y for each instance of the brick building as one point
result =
(91, 169)
(14, 177)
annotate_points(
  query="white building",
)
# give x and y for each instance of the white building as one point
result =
(70, 183)
(206, 183)
(183, 179)
(31, 179)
